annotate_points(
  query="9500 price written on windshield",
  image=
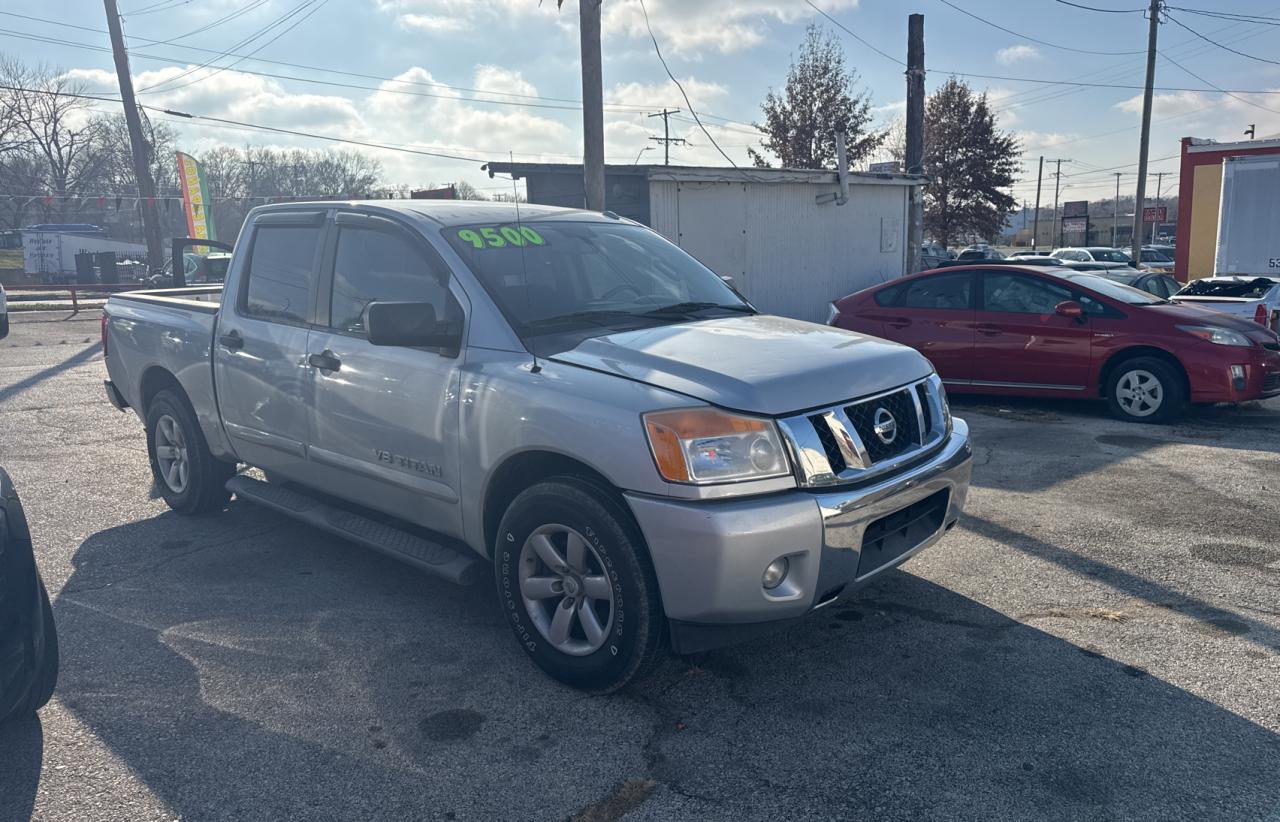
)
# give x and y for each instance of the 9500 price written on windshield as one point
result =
(505, 236)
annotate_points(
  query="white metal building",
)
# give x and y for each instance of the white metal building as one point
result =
(783, 235)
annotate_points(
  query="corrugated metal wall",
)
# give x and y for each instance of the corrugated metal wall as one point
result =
(788, 254)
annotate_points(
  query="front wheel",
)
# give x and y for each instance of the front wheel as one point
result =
(576, 585)
(1146, 389)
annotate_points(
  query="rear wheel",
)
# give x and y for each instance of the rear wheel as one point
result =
(1146, 389)
(575, 583)
(47, 677)
(189, 476)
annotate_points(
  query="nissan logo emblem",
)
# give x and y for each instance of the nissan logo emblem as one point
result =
(886, 427)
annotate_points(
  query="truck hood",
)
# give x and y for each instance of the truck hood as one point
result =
(762, 364)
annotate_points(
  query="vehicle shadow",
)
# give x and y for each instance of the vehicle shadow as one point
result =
(1046, 442)
(87, 353)
(21, 761)
(270, 671)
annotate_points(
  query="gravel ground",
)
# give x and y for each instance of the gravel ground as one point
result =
(1097, 640)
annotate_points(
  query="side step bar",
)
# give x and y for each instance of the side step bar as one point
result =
(432, 557)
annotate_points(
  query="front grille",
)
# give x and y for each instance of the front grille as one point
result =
(1271, 382)
(829, 444)
(923, 394)
(891, 536)
(907, 426)
(1271, 346)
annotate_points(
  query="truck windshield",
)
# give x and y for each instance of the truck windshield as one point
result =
(569, 275)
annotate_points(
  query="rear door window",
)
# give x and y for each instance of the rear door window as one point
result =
(282, 273)
(953, 292)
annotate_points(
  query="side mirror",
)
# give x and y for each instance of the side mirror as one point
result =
(1070, 308)
(408, 325)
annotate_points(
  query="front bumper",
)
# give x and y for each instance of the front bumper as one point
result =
(709, 556)
(1209, 372)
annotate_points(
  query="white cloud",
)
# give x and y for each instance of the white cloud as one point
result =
(1168, 105)
(1014, 54)
(430, 22)
(687, 27)
(1031, 140)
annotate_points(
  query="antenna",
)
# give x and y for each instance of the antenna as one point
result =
(524, 265)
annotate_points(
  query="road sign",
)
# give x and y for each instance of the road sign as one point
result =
(1075, 225)
(1151, 214)
(1076, 208)
(890, 167)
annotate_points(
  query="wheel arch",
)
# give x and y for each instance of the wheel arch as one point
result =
(154, 380)
(1118, 358)
(526, 468)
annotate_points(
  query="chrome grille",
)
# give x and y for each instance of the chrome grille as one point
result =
(1271, 381)
(840, 444)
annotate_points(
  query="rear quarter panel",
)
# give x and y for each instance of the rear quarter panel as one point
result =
(143, 336)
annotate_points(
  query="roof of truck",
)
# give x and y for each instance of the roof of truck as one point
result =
(452, 212)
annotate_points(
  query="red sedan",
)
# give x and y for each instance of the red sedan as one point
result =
(1042, 332)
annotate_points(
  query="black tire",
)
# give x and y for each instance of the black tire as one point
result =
(1169, 382)
(47, 678)
(207, 475)
(634, 639)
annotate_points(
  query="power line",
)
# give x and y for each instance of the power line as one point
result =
(658, 50)
(163, 5)
(1206, 82)
(226, 18)
(842, 27)
(1230, 15)
(1033, 39)
(1178, 22)
(1095, 8)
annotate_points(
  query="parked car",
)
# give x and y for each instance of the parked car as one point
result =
(1155, 261)
(28, 637)
(1057, 333)
(980, 253)
(1161, 285)
(931, 254)
(1254, 298)
(1093, 254)
(1028, 252)
(640, 454)
(4, 314)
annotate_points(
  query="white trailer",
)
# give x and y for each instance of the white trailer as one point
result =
(53, 253)
(1248, 242)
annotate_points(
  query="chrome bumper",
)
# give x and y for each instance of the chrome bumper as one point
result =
(709, 556)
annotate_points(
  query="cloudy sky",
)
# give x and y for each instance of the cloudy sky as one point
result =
(482, 79)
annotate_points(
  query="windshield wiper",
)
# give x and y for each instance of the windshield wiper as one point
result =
(693, 307)
(595, 316)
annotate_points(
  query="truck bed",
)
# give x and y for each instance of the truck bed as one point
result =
(203, 298)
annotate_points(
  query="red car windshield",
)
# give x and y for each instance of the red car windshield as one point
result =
(1112, 289)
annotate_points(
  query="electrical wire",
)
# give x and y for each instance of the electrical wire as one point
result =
(1229, 94)
(842, 27)
(227, 18)
(1178, 22)
(1095, 8)
(1034, 39)
(1230, 15)
(163, 5)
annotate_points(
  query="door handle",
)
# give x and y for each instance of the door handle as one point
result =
(232, 340)
(326, 360)
(988, 330)
(897, 322)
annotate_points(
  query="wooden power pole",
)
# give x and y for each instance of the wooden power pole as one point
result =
(1145, 140)
(915, 138)
(592, 104)
(1035, 231)
(666, 139)
(137, 141)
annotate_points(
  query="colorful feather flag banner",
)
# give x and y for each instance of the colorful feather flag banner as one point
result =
(194, 199)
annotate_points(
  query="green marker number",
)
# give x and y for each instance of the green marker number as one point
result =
(501, 236)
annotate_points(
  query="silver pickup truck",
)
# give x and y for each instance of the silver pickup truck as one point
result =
(560, 398)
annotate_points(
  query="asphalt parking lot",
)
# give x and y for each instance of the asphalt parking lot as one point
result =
(1098, 639)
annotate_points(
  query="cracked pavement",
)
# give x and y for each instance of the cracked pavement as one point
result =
(1099, 639)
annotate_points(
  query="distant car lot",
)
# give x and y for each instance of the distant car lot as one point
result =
(1098, 639)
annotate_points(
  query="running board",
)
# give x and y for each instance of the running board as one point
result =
(432, 557)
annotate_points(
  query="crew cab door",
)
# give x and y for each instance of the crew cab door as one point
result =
(385, 418)
(263, 383)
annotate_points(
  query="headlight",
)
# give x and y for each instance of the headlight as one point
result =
(706, 445)
(1217, 336)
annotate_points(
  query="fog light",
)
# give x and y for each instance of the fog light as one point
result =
(775, 573)
(1237, 377)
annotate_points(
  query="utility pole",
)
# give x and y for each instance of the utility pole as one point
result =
(666, 139)
(1115, 212)
(1159, 190)
(1143, 146)
(592, 104)
(1035, 232)
(1057, 220)
(141, 150)
(915, 139)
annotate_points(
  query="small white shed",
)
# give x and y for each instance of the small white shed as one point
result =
(783, 235)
